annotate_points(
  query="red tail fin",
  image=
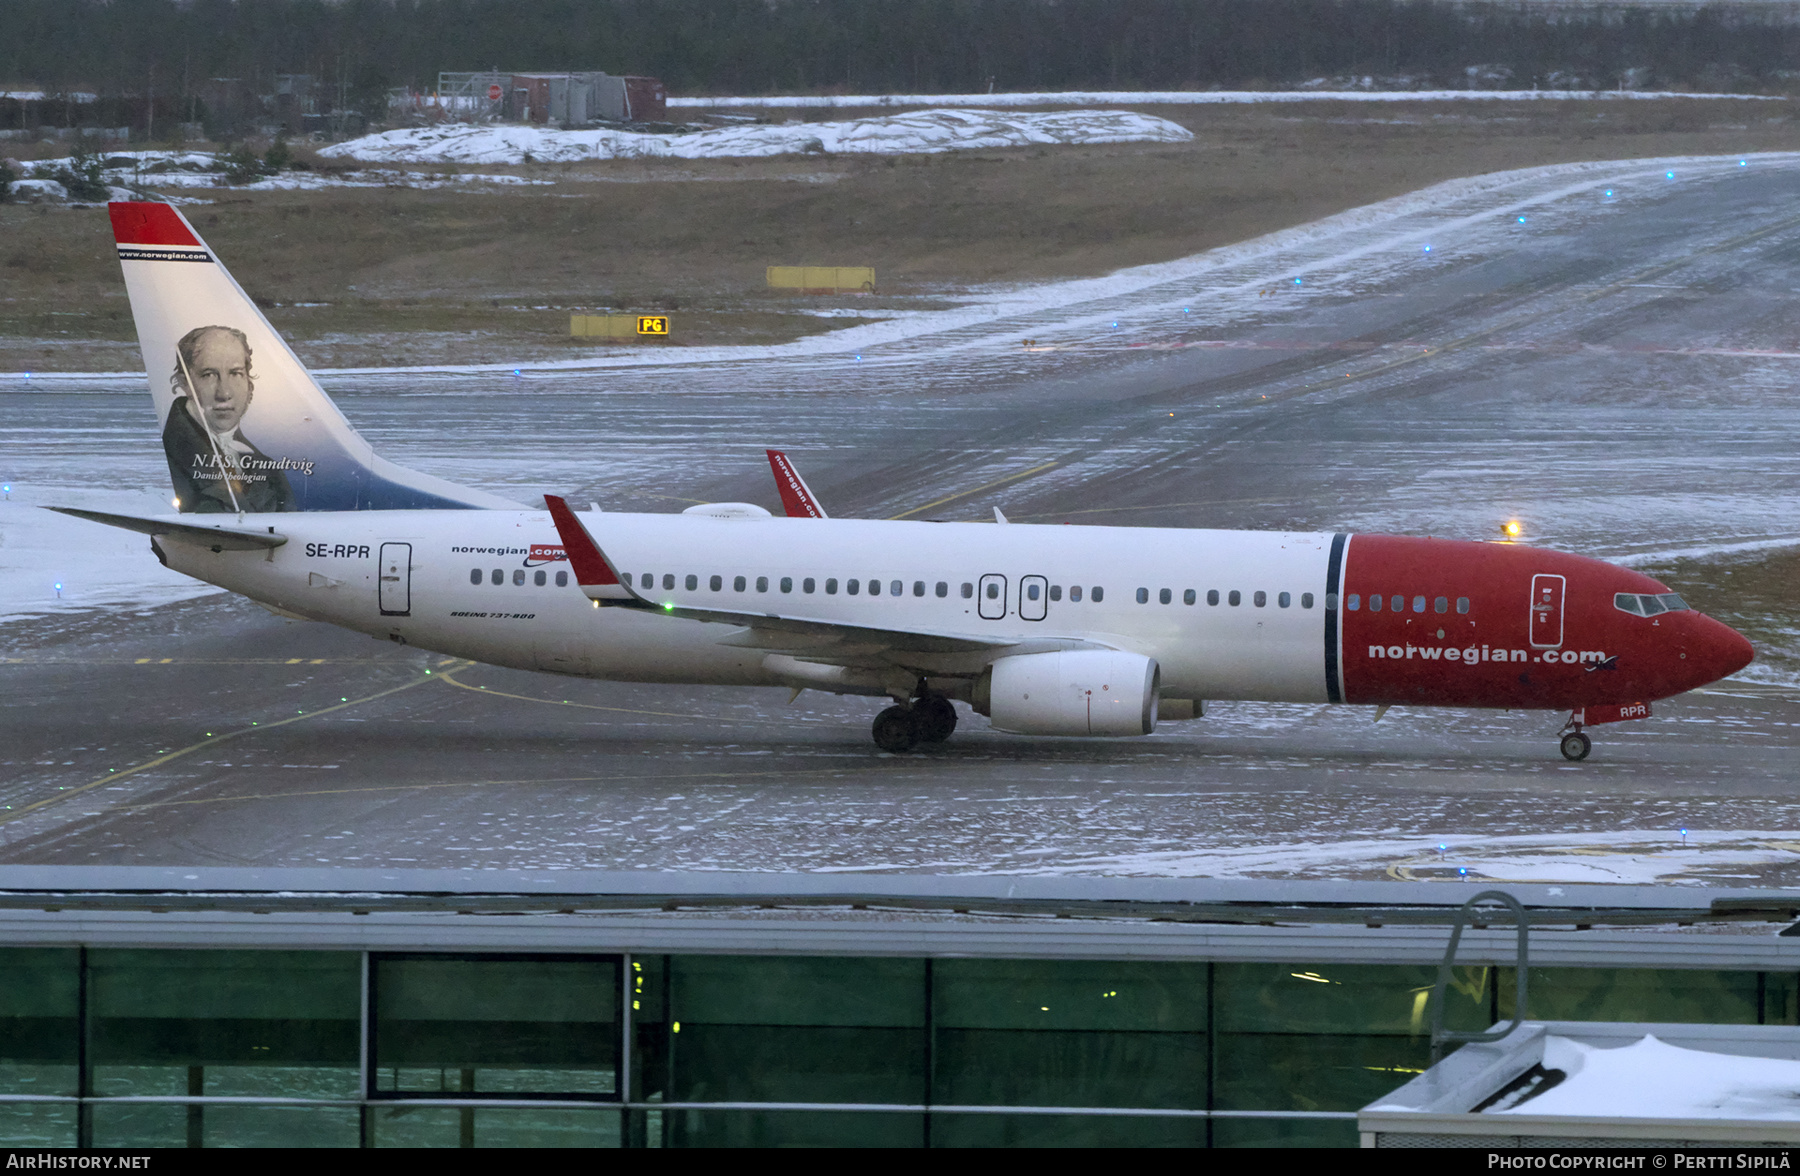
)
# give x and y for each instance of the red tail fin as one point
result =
(797, 499)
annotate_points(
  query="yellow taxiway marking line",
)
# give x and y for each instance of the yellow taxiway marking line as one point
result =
(449, 677)
(113, 777)
(1037, 469)
(691, 776)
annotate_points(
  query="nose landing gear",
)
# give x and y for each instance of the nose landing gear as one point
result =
(899, 729)
(1576, 745)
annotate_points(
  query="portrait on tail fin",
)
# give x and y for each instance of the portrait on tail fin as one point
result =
(214, 467)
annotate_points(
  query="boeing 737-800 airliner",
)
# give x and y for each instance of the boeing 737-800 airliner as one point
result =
(1046, 630)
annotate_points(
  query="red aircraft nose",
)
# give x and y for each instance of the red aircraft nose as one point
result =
(1713, 650)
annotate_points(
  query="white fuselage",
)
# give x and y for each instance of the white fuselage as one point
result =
(1015, 582)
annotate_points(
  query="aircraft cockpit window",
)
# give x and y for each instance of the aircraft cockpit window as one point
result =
(1645, 605)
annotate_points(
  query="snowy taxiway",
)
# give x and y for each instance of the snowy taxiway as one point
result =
(1603, 350)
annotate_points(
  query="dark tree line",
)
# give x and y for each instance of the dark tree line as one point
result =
(171, 47)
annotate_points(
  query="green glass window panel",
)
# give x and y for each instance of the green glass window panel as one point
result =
(1312, 1072)
(139, 1124)
(797, 990)
(1781, 998)
(400, 1125)
(1065, 1131)
(794, 1129)
(1285, 1133)
(39, 1032)
(231, 1125)
(796, 1063)
(1635, 994)
(1064, 1068)
(496, 1026)
(253, 1022)
(1068, 994)
(647, 976)
(38, 1124)
(1346, 998)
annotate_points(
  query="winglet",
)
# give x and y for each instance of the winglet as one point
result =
(797, 498)
(593, 571)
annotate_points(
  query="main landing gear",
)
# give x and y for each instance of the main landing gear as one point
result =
(928, 720)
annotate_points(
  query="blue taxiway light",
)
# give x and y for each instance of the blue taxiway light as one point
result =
(1296, 281)
(1428, 249)
(1521, 220)
(1668, 175)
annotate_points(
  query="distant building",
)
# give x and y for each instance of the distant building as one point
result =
(552, 99)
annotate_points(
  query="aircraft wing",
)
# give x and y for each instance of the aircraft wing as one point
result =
(797, 498)
(217, 536)
(835, 641)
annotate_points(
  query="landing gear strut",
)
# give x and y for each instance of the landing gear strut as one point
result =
(1575, 743)
(928, 720)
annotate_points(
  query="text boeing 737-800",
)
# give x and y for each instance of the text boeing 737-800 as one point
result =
(1046, 630)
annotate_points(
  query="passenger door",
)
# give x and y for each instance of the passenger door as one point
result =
(990, 597)
(1547, 610)
(1034, 597)
(395, 580)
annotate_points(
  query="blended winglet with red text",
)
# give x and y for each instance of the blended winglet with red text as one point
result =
(593, 571)
(797, 498)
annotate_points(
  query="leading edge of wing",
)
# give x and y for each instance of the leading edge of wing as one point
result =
(220, 538)
(600, 582)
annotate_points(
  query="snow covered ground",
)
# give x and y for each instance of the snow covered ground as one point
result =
(916, 132)
(1181, 98)
(1631, 856)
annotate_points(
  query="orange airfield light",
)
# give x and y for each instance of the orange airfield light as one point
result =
(1513, 528)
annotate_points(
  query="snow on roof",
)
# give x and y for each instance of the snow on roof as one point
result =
(1177, 98)
(916, 132)
(1651, 1079)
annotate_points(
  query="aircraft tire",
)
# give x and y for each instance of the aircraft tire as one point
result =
(1576, 745)
(934, 718)
(895, 731)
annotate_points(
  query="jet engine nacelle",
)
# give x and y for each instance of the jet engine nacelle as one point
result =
(1084, 692)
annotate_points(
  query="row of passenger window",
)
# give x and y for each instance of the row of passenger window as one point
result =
(1441, 604)
(850, 587)
(1232, 598)
(498, 577)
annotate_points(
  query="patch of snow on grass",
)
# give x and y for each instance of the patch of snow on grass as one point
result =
(918, 132)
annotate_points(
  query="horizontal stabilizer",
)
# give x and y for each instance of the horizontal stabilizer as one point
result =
(219, 538)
